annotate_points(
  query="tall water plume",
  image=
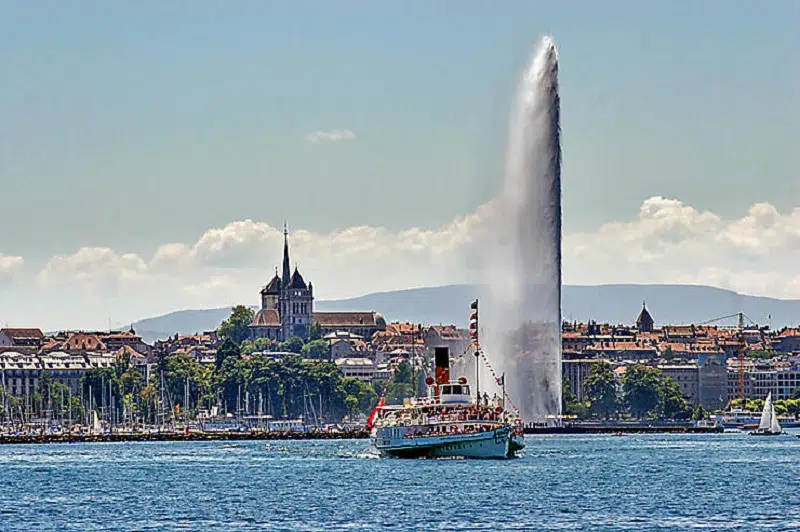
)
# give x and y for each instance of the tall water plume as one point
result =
(522, 323)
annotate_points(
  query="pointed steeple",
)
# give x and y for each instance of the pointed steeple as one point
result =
(286, 271)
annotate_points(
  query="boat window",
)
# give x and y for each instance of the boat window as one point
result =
(446, 389)
(465, 390)
(456, 389)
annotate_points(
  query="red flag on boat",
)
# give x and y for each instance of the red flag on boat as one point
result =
(374, 415)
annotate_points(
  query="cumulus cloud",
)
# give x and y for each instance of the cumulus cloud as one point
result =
(666, 241)
(93, 265)
(334, 135)
(10, 265)
(670, 241)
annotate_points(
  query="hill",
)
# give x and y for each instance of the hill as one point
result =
(617, 303)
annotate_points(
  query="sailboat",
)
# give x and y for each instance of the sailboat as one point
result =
(97, 427)
(768, 426)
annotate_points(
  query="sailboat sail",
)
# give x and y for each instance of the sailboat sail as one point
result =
(767, 414)
(96, 426)
(774, 425)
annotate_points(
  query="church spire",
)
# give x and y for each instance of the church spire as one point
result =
(286, 272)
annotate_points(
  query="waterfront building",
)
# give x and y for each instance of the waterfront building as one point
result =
(712, 380)
(780, 378)
(287, 309)
(21, 372)
(687, 377)
(25, 338)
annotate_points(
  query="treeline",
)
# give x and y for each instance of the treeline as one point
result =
(645, 394)
(244, 380)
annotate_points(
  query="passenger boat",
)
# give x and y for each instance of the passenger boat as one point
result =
(449, 422)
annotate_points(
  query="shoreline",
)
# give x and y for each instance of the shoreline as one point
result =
(121, 437)
(126, 437)
(622, 428)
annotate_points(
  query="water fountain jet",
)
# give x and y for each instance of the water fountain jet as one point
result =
(522, 325)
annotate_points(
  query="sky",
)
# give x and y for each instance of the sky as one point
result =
(150, 152)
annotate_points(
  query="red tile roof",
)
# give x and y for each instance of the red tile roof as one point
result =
(22, 333)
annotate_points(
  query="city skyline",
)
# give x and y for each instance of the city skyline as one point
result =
(152, 154)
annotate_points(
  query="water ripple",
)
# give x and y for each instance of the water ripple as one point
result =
(587, 483)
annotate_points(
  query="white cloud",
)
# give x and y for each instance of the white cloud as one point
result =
(334, 135)
(93, 266)
(670, 241)
(10, 266)
(667, 241)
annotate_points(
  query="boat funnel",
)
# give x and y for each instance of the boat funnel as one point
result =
(441, 357)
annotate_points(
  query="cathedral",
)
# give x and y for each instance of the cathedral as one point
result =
(287, 309)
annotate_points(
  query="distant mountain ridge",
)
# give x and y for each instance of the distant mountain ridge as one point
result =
(613, 303)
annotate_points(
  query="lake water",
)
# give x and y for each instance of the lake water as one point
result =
(677, 482)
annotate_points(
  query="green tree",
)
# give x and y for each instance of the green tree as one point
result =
(235, 327)
(672, 403)
(315, 333)
(781, 408)
(793, 406)
(764, 354)
(401, 384)
(316, 349)
(379, 386)
(699, 413)
(228, 350)
(569, 403)
(292, 345)
(262, 344)
(642, 390)
(601, 390)
(352, 404)
(247, 347)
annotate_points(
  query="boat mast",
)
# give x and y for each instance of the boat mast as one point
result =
(473, 333)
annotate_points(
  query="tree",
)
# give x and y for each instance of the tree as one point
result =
(316, 349)
(765, 354)
(569, 403)
(699, 413)
(642, 389)
(247, 347)
(352, 403)
(292, 345)
(672, 403)
(315, 333)
(601, 390)
(401, 385)
(235, 327)
(262, 344)
(229, 349)
(379, 386)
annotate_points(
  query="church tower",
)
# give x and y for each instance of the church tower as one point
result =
(286, 271)
(296, 300)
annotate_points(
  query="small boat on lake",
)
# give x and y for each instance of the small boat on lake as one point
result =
(768, 426)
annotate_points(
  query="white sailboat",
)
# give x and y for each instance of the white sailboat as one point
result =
(768, 426)
(97, 427)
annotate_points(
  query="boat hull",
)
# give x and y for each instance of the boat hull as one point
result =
(494, 444)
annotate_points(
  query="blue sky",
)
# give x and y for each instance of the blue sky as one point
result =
(127, 126)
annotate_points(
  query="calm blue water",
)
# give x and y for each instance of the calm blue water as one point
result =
(721, 482)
